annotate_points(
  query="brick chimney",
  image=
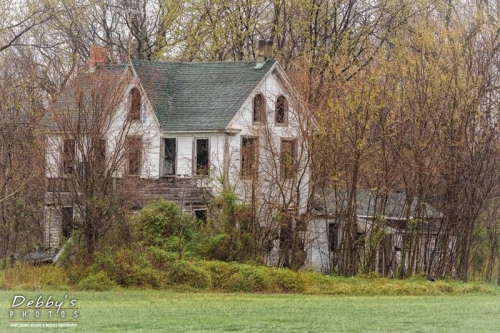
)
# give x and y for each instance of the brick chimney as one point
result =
(97, 56)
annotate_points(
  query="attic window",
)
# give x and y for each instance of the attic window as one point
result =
(281, 110)
(135, 105)
(259, 109)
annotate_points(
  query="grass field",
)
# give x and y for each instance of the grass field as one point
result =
(164, 311)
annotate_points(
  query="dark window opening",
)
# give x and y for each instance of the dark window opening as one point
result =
(333, 234)
(281, 110)
(170, 151)
(67, 221)
(259, 109)
(287, 158)
(100, 155)
(201, 215)
(69, 151)
(202, 157)
(285, 241)
(84, 170)
(249, 149)
(135, 104)
(134, 153)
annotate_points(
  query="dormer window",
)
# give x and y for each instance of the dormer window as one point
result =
(135, 105)
(281, 114)
(259, 109)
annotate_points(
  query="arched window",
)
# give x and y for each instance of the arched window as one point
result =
(135, 105)
(259, 109)
(281, 114)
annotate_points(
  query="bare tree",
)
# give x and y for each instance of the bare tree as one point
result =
(21, 106)
(95, 154)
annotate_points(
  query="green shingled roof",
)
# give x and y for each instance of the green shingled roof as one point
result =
(188, 96)
(78, 100)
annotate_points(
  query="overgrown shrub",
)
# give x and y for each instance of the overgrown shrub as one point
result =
(163, 225)
(159, 258)
(288, 281)
(186, 273)
(220, 271)
(248, 279)
(131, 268)
(96, 282)
(241, 239)
(128, 267)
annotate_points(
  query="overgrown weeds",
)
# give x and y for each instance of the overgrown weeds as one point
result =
(154, 268)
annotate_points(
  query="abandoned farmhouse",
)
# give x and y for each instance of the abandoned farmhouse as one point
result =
(187, 132)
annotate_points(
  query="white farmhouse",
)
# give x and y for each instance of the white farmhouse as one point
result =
(185, 127)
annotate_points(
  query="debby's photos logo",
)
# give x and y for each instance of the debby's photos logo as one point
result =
(43, 311)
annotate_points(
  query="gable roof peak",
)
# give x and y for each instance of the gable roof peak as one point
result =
(196, 96)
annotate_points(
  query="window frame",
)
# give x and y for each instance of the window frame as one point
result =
(259, 114)
(284, 117)
(68, 156)
(67, 221)
(197, 170)
(252, 170)
(135, 105)
(164, 156)
(134, 148)
(288, 170)
(100, 153)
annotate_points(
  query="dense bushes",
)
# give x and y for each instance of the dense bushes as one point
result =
(97, 282)
(156, 268)
(169, 251)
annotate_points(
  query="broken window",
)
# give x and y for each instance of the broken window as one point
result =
(333, 236)
(169, 152)
(259, 109)
(249, 149)
(287, 158)
(135, 105)
(134, 154)
(201, 215)
(69, 151)
(285, 239)
(202, 157)
(281, 110)
(67, 221)
(100, 154)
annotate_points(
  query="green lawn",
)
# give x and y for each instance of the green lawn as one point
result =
(160, 311)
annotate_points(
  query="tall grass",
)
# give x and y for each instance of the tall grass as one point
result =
(29, 277)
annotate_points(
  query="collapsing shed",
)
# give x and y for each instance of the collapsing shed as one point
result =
(391, 231)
